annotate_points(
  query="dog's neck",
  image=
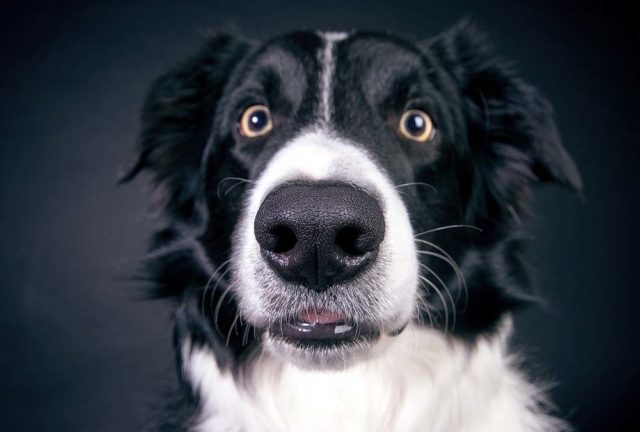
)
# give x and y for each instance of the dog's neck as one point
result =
(423, 381)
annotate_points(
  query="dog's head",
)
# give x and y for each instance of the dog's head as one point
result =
(325, 190)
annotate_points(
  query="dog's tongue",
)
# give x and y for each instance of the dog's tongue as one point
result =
(319, 317)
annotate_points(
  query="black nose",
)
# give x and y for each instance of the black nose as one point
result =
(319, 234)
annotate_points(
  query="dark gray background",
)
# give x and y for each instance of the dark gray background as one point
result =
(81, 352)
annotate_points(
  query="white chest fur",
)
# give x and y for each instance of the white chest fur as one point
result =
(422, 382)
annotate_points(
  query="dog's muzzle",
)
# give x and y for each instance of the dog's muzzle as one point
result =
(319, 234)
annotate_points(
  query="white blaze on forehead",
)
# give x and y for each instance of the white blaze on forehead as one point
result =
(328, 67)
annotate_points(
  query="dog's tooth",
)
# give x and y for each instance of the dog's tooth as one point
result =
(342, 329)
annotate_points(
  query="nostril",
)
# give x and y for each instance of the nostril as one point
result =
(353, 240)
(283, 239)
(319, 234)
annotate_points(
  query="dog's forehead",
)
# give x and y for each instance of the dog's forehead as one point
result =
(319, 71)
(332, 81)
(367, 51)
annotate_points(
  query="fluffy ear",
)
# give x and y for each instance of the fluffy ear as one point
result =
(176, 122)
(512, 136)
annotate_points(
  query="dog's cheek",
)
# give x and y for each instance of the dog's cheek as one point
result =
(244, 269)
(401, 255)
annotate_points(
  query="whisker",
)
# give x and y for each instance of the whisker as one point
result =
(281, 330)
(446, 290)
(442, 283)
(431, 271)
(426, 309)
(418, 314)
(218, 306)
(448, 227)
(444, 303)
(215, 273)
(236, 185)
(245, 335)
(461, 280)
(233, 325)
(239, 181)
(427, 185)
(449, 259)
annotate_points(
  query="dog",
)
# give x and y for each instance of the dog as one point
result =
(342, 232)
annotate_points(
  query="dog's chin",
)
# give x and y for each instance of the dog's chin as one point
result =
(321, 353)
(322, 341)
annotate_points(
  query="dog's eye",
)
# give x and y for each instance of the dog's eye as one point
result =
(255, 121)
(416, 125)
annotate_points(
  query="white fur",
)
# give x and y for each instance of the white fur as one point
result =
(327, 61)
(316, 155)
(423, 382)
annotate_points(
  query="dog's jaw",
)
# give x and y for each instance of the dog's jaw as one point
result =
(385, 294)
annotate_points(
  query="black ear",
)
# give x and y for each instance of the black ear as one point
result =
(176, 122)
(513, 139)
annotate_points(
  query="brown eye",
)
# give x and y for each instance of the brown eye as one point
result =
(416, 125)
(255, 121)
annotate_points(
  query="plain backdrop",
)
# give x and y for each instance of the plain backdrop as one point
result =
(80, 351)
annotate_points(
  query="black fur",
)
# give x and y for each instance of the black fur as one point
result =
(496, 138)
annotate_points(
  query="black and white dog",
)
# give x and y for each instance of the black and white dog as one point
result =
(343, 232)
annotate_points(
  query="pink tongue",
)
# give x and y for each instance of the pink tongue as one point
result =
(319, 317)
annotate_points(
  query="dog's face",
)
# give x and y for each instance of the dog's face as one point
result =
(323, 253)
(325, 190)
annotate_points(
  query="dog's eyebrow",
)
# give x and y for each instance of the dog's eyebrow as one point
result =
(402, 86)
(279, 74)
(389, 73)
(275, 77)
(399, 88)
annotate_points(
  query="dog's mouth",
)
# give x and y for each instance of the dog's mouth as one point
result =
(320, 339)
(321, 328)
